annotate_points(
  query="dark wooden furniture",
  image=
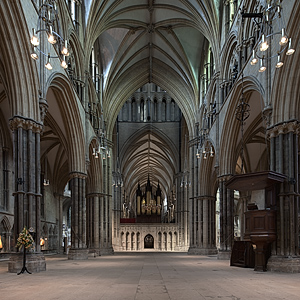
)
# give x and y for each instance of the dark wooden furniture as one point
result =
(260, 229)
(260, 225)
(242, 254)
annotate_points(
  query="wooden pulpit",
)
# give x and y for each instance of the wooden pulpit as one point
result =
(260, 224)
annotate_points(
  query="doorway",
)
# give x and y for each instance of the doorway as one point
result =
(148, 242)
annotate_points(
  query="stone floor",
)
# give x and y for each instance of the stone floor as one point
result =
(146, 276)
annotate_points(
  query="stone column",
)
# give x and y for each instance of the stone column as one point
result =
(78, 217)
(129, 110)
(222, 92)
(60, 199)
(284, 159)
(168, 109)
(27, 190)
(138, 109)
(159, 108)
(106, 210)
(93, 223)
(205, 243)
(226, 219)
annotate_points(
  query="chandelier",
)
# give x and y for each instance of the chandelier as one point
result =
(48, 26)
(273, 35)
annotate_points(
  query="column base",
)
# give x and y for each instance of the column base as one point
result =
(35, 262)
(224, 255)
(284, 264)
(78, 254)
(106, 251)
(202, 251)
(94, 252)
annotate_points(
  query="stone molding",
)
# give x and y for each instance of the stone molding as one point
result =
(284, 128)
(25, 123)
(77, 175)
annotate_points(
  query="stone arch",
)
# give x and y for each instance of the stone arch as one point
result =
(285, 98)
(135, 77)
(231, 126)
(149, 241)
(64, 99)
(170, 151)
(21, 83)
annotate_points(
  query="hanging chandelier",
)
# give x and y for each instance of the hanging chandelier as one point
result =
(274, 40)
(48, 26)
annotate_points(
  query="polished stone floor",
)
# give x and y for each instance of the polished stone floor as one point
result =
(146, 276)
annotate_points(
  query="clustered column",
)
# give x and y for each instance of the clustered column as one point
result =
(106, 210)
(27, 185)
(284, 159)
(226, 219)
(78, 217)
(26, 134)
(93, 222)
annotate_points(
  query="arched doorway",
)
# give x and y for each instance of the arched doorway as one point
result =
(148, 242)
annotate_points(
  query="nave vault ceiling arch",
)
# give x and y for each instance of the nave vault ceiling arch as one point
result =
(161, 156)
(148, 38)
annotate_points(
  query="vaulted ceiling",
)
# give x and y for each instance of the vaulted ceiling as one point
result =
(164, 42)
(159, 41)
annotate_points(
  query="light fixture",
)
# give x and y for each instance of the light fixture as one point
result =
(254, 60)
(284, 39)
(64, 63)
(279, 62)
(264, 44)
(262, 67)
(48, 64)
(211, 152)
(51, 38)
(46, 182)
(290, 50)
(270, 22)
(65, 50)
(34, 39)
(48, 24)
(34, 54)
(1, 246)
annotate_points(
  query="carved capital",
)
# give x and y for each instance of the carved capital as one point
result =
(284, 128)
(27, 124)
(77, 175)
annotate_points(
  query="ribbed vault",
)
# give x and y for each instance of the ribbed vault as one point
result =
(148, 153)
(139, 40)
